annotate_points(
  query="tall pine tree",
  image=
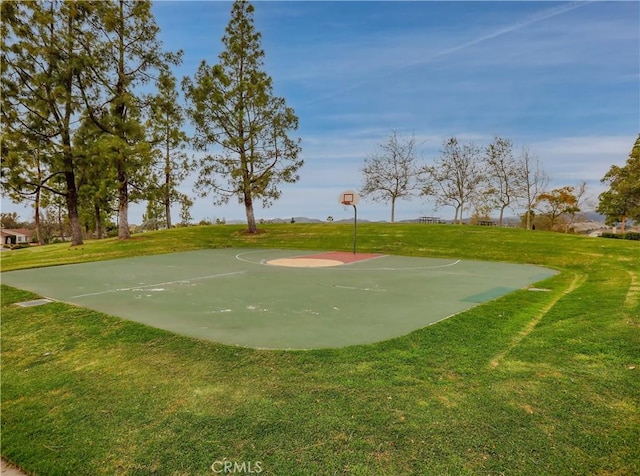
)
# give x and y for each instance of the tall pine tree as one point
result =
(171, 164)
(233, 106)
(97, 184)
(40, 59)
(125, 55)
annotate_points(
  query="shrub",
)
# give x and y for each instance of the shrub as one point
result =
(611, 235)
(631, 235)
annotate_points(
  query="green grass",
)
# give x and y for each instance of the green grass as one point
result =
(532, 383)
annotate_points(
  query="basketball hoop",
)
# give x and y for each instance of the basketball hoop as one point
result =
(351, 198)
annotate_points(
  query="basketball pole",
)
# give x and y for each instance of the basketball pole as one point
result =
(347, 198)
(355, 227)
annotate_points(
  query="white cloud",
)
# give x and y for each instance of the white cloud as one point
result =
(582, 158)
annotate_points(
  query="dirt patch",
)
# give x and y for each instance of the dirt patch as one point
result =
(323, 260)
(344, 256)
(304, 262)
(7, 469)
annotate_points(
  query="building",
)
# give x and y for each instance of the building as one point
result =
(15, 237)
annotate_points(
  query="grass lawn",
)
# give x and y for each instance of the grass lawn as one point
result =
(532, 383)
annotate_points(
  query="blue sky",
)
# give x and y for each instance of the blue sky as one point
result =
(558, 77)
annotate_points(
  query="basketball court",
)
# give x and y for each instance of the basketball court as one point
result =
(280, 299)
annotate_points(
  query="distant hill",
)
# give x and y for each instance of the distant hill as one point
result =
(589, 217)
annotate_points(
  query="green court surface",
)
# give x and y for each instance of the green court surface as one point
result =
(241, 297)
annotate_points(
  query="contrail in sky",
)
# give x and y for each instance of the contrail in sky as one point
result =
(552, 12)
(536, 18)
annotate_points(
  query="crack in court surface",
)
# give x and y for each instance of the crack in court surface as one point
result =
(155, 287)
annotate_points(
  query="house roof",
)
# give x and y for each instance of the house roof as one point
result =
(16, 232)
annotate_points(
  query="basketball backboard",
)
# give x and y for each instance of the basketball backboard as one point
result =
(349, 197)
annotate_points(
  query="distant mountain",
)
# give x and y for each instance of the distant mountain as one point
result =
(288, 220)
(591, 218)
(350, 220)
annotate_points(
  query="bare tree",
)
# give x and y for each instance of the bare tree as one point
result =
(455, 176)
(503, 184)
(583, 201)
(534, 181)
(392, 172)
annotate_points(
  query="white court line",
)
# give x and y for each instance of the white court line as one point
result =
(448, 265)
(364, 260)
(167, 283)
(358, 289)
(345, 267)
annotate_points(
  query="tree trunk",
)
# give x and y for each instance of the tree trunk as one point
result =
(123, 218)
(36, 219)
(251, 220)
(68, 159)
(120, 113)
(123, 203)
(167, 207)
(167, 199)
(72, 207)
(98, 219)
(393, 209)
(167, 180)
